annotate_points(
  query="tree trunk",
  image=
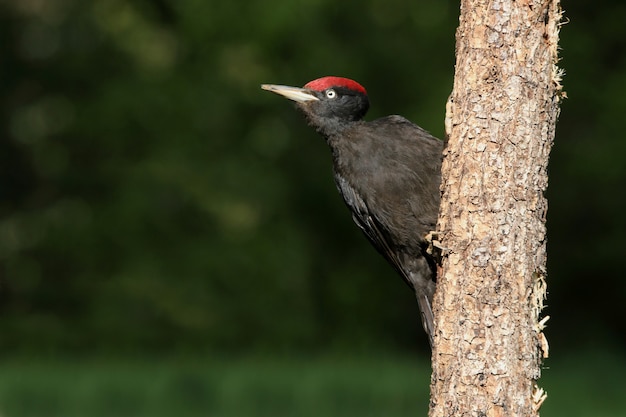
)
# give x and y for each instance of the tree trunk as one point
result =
(500, 122)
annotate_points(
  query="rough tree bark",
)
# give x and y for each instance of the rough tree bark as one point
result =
(500, 122)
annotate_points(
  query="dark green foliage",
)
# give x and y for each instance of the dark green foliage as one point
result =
(153, 198)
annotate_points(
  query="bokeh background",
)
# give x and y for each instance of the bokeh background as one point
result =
(171, 242)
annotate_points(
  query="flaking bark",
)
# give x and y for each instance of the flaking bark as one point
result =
(500, 123)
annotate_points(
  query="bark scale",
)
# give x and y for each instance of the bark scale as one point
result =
(500, 123)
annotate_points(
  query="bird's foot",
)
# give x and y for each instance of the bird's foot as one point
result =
(434, 245)
(434, 248)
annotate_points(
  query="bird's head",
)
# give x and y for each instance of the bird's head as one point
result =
(328, 102)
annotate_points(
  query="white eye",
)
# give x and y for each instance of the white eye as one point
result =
(331, 93)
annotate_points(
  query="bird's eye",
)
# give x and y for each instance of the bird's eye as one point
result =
(331, 93)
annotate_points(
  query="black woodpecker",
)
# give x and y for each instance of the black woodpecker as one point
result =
(388, 172)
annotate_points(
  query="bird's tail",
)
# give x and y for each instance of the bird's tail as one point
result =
(427, 315)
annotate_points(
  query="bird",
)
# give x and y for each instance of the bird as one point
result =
(388, 172)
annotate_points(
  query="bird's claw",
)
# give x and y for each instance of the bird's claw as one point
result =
(432, 238)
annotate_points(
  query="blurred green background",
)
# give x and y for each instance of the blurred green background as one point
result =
(171, 242)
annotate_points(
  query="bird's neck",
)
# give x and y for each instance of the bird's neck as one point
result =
(330, 127)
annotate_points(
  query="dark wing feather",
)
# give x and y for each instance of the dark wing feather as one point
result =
(374, 231)
(370, 226)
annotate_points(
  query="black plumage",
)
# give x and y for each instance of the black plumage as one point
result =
(388, 173)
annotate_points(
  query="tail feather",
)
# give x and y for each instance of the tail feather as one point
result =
(427, 316)
(418, 272)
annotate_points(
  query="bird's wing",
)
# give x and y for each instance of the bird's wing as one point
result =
(373, 229)
(371, 226)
